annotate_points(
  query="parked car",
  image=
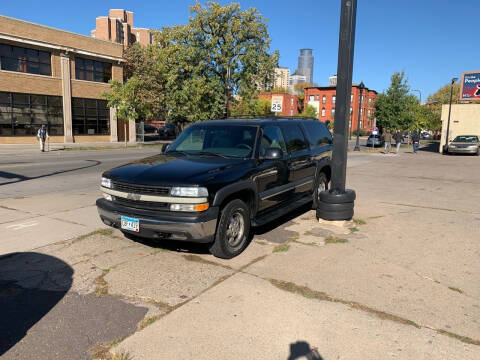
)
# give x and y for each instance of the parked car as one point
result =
(168, 131)
(218, 179)
(375, 140)
(465, 144)
(150, 133)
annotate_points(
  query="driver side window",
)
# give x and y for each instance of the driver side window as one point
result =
(272, 138)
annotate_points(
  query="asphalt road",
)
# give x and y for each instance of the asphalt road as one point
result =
(23, 175)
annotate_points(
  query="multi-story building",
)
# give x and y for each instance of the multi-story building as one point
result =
(296, 79)
(324, 99)
(54, 77)
(289, 102)
(118, 27)
(282, 77)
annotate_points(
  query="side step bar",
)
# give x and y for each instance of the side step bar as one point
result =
(280, 211)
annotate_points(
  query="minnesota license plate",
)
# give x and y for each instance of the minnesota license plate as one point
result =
(128, 223)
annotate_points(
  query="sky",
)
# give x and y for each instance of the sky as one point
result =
(431, 40)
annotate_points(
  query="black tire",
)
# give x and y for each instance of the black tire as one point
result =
(335, 216)
(323, 206)
(226, 245)
(321, 179)
(332, 198)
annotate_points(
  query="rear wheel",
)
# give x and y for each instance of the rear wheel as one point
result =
(320, 185)
(232, 230)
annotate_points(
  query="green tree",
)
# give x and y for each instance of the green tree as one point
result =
(394, 108)
(436, 100)
(309, 111)
(233, 46)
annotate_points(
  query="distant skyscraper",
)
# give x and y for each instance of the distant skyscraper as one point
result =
(305, 64)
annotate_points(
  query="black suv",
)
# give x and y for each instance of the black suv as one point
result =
(218, 179)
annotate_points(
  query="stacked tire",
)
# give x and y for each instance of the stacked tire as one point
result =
(333, 206)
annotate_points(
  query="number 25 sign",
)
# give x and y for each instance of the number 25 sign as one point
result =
(276, 104)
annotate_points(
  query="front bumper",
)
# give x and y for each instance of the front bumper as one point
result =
(162, 225)
(457, 150)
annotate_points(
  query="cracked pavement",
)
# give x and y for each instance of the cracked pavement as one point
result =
(404, 286)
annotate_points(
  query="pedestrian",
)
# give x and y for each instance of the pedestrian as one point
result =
(388, 141)
(398, 137)
(42, 135)
(415, 141)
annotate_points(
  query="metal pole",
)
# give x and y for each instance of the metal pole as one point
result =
(357, 144)
(420, 95)
(445, 147)
(338, 202)
(344, 88)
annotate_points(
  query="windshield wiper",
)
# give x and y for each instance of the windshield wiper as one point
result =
(211, 153)
(177, 152)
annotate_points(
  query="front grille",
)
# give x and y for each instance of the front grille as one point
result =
(147, 205)
(141, 189)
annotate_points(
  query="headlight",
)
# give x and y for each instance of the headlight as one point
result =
(106, 183)
(189, 207)
(189, 191)
(453, 146)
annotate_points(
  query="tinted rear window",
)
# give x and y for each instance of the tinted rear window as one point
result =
(317, 133)
(294, 138)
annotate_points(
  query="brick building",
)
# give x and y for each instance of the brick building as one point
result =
(55, 77)
(118, 27)
(289, 102)
(324, 98)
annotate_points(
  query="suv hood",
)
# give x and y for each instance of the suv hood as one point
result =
(168, 170)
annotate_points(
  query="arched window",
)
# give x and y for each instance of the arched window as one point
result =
(323, 112)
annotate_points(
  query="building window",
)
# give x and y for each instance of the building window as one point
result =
(90, 117)
(333, 112)
(291, 112)
(317, 97)
(370, 100)
(334, 99)
(324, 99)
(368, 112)
(323, 112)
(92, 70)
(310, 98)
(361, 112)
(291, 101)
(14, 58)
(23, 114)
(351, 97)
(351, 111)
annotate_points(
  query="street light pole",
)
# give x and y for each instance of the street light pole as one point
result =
(445, 147)
(337, 203)
(420, 95)
(357, 144)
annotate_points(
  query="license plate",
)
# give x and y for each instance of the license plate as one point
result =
(128, 223)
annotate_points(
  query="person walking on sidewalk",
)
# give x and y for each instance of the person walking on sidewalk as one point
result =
(42, 135)
(388, 141)
(415, 141)
(398, 137)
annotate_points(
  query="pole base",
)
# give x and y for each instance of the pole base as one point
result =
(336, 206)
(357, 148)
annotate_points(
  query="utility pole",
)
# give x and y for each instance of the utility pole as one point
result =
(357, 143)
(338, 202)
(445, 147)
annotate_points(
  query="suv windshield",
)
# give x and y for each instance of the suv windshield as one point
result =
(466, 138)
(226, 140)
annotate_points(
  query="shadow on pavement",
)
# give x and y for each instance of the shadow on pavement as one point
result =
(31, 284)
(302, 349)
(20, 178)
(430, 147)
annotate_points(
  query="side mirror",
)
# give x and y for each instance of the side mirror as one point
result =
(273, 154)
(165, 147)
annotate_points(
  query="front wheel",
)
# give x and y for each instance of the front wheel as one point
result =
(320, 185)
(232, 230)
